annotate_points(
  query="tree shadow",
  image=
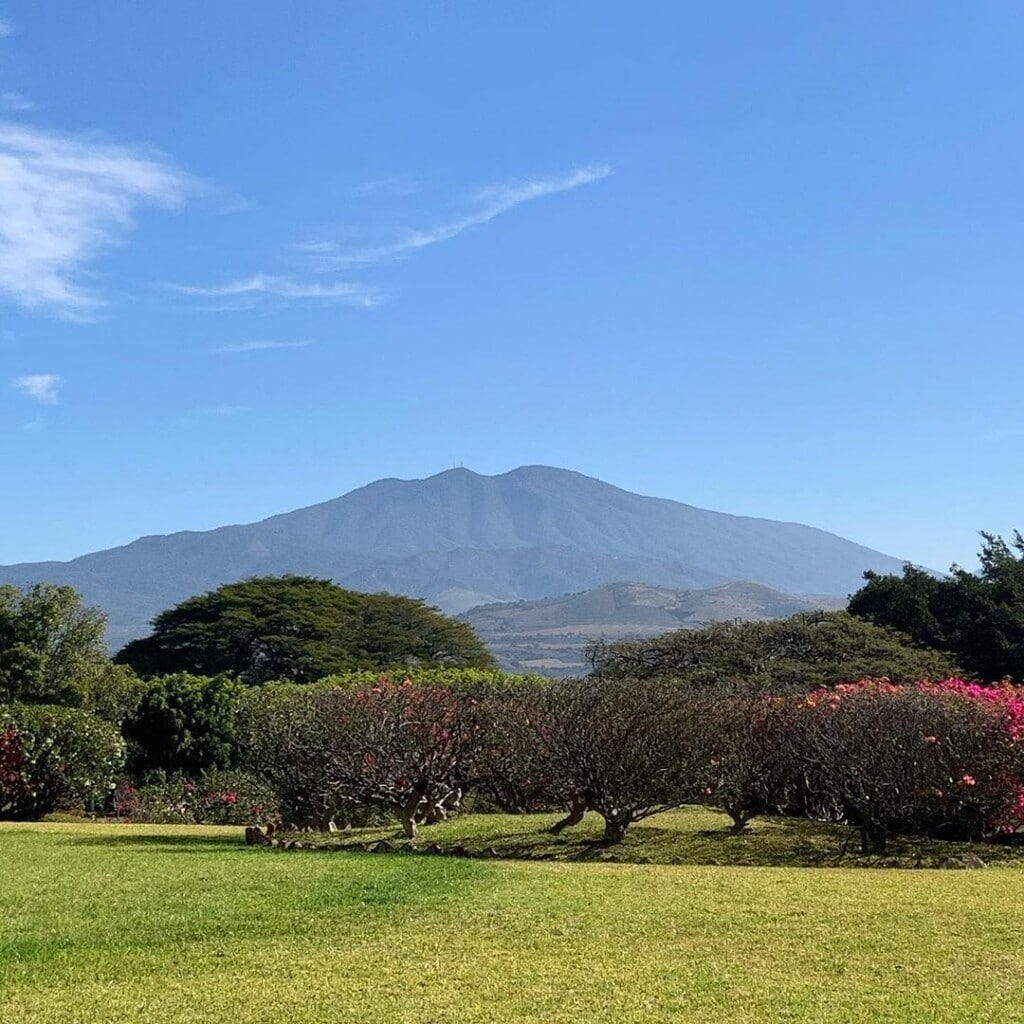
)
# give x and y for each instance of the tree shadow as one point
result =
(178, 844)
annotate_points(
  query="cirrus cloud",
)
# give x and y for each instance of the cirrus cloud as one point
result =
(64, 200)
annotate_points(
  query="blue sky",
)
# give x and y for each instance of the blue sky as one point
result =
(762, 258)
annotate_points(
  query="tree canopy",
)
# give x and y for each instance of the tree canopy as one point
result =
(799, 653)
(977, 618)
(52, 649)
(300, 628)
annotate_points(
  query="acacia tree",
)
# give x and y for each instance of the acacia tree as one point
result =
(625, 748)
(796, 654)
(300, 629)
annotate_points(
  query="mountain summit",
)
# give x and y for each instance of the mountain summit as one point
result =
(459, 539)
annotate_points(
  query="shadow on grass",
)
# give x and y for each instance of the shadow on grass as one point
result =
(694, 837)
(191, 843)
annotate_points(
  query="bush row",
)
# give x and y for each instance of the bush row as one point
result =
(927, 758)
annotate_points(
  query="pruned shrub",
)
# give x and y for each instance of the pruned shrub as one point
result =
(624, 748)
(55, 757)
(183, 725)
(754, 763)
(910, 759)
(284, 741)
(405, 748)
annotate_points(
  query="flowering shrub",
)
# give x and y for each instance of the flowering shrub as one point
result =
(932, 757)
(406, 748)
(624, 748)
(217, 798)
(13, 780)
(55, 757)
(753, 767)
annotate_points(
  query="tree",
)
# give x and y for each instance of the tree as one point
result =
(52, 648)
(887, 758)
(977, 618)
(301, 629)
(798, 653)
(625, 748)
(183, 724)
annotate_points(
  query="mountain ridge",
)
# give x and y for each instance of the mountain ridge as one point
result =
(460, 539)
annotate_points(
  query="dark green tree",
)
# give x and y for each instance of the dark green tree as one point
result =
(799, 653)
(977, 618)
(183, 724)
(301, 629)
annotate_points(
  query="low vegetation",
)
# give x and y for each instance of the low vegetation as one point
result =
(113, 924)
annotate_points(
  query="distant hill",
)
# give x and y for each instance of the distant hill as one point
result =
(550, 635)
(459, 539)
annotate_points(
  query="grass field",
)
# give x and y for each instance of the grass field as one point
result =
(119, 923)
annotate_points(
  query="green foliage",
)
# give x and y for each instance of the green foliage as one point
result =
(51, 646)
(300, 629)
(459, 680)
(68, 758)
(799, 653)
(978, 618)
(183, 724)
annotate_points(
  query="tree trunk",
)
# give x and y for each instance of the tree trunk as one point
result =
(873, 838)
(740, 817)
(578, 806)
(408, 815)
(614, 830)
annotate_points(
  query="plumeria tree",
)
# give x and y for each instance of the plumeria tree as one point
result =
(753, 766)
(625, 748)
(912, 759)
(405, 748)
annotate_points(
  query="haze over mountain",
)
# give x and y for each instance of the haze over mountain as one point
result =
(459, 539)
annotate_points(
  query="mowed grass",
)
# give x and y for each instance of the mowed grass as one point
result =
(119, 923)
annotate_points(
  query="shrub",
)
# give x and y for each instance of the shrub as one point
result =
(514, 768)
(183, 724)
(626, 748)
(405, 748)
(913, 759)
(216, 798)
(54, 757)
(754, 765)
(284, 741)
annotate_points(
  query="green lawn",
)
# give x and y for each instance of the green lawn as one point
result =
(162, 923)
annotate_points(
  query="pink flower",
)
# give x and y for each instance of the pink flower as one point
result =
(968, 780)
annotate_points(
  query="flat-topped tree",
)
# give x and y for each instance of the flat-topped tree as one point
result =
(300, 628)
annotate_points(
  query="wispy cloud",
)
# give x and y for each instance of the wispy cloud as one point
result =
(485, 205)
(15, 101)
(63, 200)
(5, 29)
(260, 346)
(41, 387)
(284, 288)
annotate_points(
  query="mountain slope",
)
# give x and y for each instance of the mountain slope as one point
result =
(459, 539)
